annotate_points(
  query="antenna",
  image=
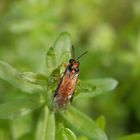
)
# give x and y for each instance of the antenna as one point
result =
(73, 51)
(81, 55)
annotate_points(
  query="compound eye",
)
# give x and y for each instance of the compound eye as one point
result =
(71, 60)
(70, 67)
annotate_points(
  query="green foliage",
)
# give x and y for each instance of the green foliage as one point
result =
(65, 133)
(34, 78)
(19, 107)
(83, 124)
(101, 122)
(41, 97)
(15, 78)
(59, 53)
(131, 137)
(109, 30)
(46, 125)
(91, 88)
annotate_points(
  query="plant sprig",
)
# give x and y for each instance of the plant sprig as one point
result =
(40, 88)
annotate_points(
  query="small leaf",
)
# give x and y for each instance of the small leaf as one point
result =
(69, 134)
(91, 88)
(83, 124)
(59, 53)
(46, 125)
(42, 124)
(13, 76)
(131, 137)
(8, 73)
(51, 60)
(59, 132)
(19, 107)
(65, 133)
(34, 78)
(62, 47)
(101, 122)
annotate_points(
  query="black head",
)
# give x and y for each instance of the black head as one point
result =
(73, 65)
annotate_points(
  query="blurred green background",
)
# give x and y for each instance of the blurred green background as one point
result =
(109, 30)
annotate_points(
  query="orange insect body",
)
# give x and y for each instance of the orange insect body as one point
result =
(65, 90)
(66, 87)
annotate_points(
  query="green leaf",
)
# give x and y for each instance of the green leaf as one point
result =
(83, 124)
(59, 53)
(22, 124)
(101, 122)
(59, 132)
(20, 107)
(131, 137)
(65, 133)
(69, 134)
(13, 76)
(8, 73)
(34, 78)
(91, 88)
(62, 47)
(51, 60)
(27, 136)
(46, 125)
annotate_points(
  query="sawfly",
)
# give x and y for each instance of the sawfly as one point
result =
(65, 90)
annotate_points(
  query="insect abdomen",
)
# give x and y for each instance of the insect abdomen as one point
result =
(65, 92)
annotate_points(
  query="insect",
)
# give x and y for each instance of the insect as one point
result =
(64, 92)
